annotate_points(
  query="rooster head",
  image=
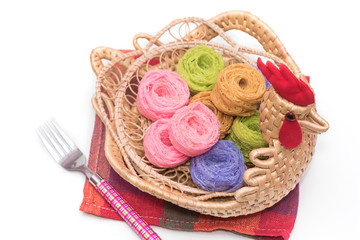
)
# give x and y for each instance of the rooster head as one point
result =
(296, 106)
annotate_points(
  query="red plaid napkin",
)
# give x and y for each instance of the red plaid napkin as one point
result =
(273, 223)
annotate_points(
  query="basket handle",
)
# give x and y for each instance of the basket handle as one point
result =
(99, 53)
(238, 20)
(255, 27)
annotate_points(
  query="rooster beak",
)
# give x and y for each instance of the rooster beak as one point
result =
(315, 123)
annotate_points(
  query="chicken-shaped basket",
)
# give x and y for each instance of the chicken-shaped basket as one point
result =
(288, 118)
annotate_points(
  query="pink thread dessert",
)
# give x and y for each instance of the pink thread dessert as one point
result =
(161, 93)
(158, 147)
(194, 129)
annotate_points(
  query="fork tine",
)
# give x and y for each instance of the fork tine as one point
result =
(48, 144)
(61, 135)
(54, 140)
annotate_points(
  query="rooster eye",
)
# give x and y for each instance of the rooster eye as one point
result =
(290, 116)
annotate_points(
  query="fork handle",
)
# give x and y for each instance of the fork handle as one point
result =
(130, 216)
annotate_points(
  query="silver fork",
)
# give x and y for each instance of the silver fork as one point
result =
(69, 156)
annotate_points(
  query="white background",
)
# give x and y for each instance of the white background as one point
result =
(45, 71)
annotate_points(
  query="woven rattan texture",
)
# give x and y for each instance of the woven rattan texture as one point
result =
(115, 102)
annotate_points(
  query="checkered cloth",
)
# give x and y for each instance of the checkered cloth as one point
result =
(276, 222)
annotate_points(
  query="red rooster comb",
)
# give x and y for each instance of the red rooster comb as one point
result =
(286, 84)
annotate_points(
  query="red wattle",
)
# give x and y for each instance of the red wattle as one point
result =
(290, 134)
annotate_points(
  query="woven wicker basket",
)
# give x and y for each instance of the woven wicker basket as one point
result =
(114, 101)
